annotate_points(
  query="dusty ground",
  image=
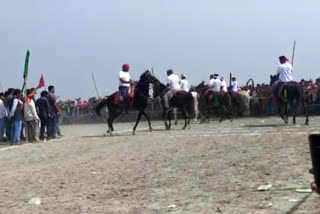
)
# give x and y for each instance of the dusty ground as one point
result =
(212, 168)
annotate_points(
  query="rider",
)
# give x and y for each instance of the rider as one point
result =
(234, 85)
(223, 85)
(173, 84)
(284, 71)
(184, 84)
(215, 83)
(124, 85)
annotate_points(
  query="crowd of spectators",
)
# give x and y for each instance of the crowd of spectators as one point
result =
(23, 117)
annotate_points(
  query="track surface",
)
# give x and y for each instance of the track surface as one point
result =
(212, 168)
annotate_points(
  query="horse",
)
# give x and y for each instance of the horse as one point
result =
(289, 95)
(139, 102)
(218, 102)
(181, 100)
(195, 96)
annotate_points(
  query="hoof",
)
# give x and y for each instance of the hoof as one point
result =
(183, 128)
(150, 129)
(307, 123)
(133, 133)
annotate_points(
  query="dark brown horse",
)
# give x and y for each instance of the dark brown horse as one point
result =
(289, 95)
(181, 100)
(140, 102)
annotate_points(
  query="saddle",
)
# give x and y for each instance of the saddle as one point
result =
(283, 94)
(118, 100)
(179, 93)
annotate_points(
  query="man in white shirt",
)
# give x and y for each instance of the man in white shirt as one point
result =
(124, 85)
(234, 85)
(173, 84)
(3, 118)
(215, 83)
(285, 70)
(184, 84)
(223, 85)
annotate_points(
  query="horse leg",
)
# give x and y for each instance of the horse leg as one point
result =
(148, 119)
(294, 111)
(286, 114)
(113, 114)
(175, 115)
(305, 106)
(137, 122)
(185, 118)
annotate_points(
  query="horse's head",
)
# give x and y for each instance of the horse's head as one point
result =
(273, 79)
(158, 89)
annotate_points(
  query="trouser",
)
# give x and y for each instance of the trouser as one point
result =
(167, 97)
(124, 94)
(31, 129)
(16, 127)
(3, 127)
(58, 120)
(45, 127)
(53, 126)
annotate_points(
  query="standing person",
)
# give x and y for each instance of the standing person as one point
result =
(3, 118)
(215, 83)
(54, 121)
(31, 117)
(223, 85)
(9, 97)
(45, 114)
(173, 84)
(234, 85)
(184, 84)
(15, 109)
(124, 85)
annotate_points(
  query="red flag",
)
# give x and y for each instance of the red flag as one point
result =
(41, 82)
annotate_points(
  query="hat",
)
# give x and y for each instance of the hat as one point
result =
(215, 75)
(221, 78)
(183, 76)
(125, 66)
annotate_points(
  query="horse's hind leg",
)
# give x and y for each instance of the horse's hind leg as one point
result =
(137, 122)
(305, 106)
(148, 119)
(294, 111)
(185, 118)
(175, 115)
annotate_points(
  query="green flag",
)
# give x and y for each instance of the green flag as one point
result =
(26, 65)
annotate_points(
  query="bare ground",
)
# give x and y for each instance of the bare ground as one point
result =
(212, 168)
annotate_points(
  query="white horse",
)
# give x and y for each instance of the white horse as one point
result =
(195, 96)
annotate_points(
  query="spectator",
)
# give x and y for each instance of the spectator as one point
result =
(54, 122)
(45, 113)
(8, 99)
(15, 108)
(3, 118)
(31, 117)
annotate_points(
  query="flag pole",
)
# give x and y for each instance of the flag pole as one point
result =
(1, 87)
(24, 91)
(95, 85)
(293, 51)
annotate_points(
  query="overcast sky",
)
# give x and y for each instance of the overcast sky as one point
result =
(70, 39)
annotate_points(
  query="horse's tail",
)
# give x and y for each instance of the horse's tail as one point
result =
(101, 105)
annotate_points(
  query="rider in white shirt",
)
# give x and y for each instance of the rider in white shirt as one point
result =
(215, 83)
(223, 85)
(173, 84)
(285, 70)
(184, 84)
(124, 85)
(234, 85)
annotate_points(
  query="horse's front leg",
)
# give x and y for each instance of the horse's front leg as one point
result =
(137, 122)
(185, 118)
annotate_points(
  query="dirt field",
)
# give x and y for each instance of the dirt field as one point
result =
(212, 168)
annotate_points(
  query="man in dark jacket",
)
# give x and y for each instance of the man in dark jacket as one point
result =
(45, 113)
